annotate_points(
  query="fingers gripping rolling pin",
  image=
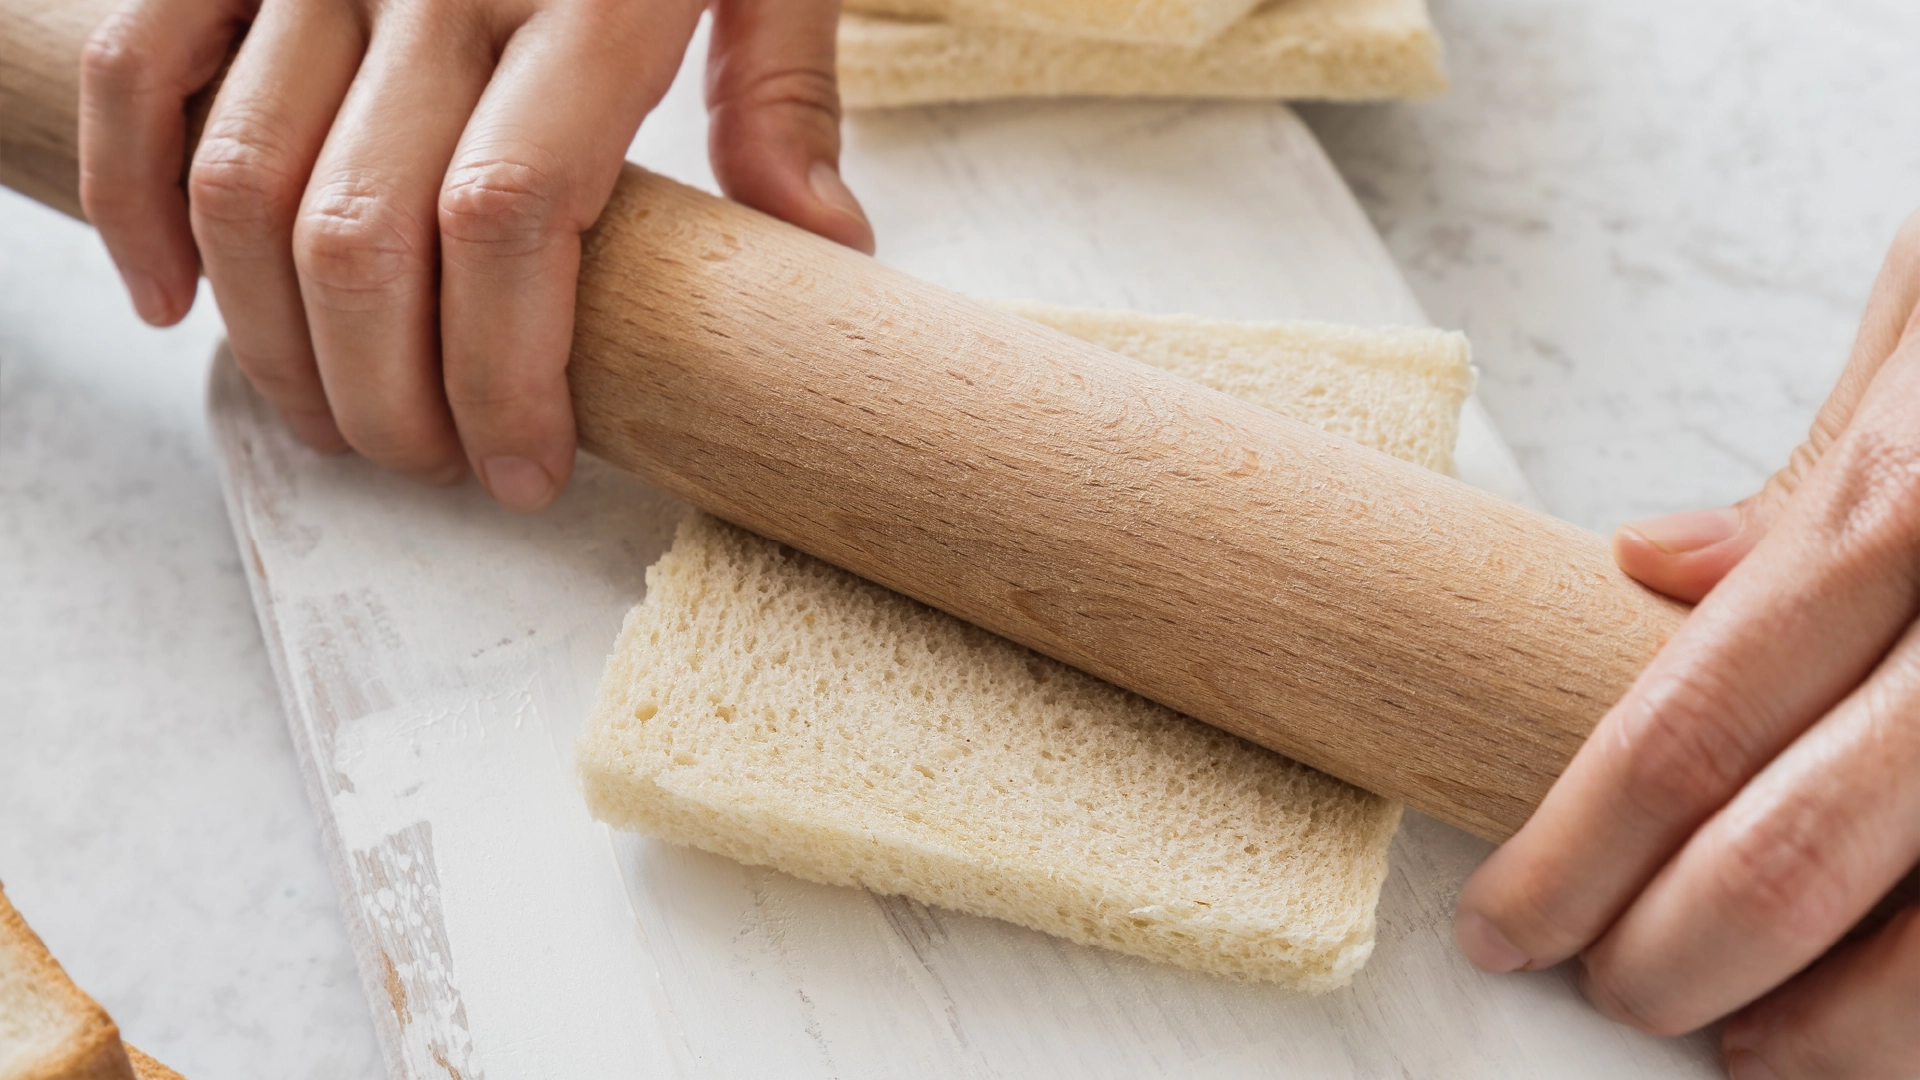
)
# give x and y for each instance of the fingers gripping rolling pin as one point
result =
(1392, 627)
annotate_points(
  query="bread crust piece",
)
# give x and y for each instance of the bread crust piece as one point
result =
(89, 1048)
(146, 1068)
(1334, 50)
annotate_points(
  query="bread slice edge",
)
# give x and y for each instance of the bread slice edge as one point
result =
(91, 1049)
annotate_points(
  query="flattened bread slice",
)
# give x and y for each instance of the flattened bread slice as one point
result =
(772, 708)
(1161, 22)
(1333, 50)
(49, 1029)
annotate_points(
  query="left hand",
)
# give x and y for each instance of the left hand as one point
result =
(389, 196)
(1757, 791)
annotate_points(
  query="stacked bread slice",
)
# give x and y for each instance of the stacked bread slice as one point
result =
(49, 1028)
(769, 707)
(914, 52)
(1156, 22)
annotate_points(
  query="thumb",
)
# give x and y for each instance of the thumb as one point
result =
(775, 111)
(1685, 555)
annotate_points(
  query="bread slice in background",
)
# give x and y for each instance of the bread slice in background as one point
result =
(1396, 389)
(766, 706)
(1163, 22)
(1334, 50)
(49, 1029)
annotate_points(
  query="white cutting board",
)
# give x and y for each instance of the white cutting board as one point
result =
(436, 657)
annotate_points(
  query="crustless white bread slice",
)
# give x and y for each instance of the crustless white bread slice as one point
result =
(49, 1029)
(1396, 389)
(1335, 50)
(767, 706)
(1167, 22)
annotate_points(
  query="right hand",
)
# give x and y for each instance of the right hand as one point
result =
(1715, 844)
(389, 194)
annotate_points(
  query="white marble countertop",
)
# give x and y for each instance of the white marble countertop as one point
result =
(1658, 224)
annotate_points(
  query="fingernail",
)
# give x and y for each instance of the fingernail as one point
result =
(1486, 946)
(830, 189)
(516, 483)
(1691, 530)
(149, 300)
(1746, 1065)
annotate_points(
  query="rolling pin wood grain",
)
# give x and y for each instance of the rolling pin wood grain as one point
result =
(1392, 627)
(40, 47)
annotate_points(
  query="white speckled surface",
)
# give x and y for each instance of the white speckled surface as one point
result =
(153, 826)
(1657, 221)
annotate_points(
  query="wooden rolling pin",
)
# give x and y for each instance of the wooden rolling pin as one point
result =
(1395, 628)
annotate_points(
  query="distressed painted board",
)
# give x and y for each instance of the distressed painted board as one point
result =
(436, 657)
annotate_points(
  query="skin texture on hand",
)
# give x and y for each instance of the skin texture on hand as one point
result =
(1757, 791)
(388, 195)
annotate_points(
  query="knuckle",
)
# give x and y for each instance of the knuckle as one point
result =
(115, 65)
(508, 205)
(393, 441)
(1683, 751)
(809, 89)
(1780, 874)
(283, 380)
(1618, 995)
(1532, 913)
(116, 58)
(1871, 515)
(358, 247)
(1782, 484)
(239, 184)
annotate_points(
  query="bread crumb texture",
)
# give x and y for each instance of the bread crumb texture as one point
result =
(1175, 22)
(766, 706)
(1395, 389)
(1330, 50)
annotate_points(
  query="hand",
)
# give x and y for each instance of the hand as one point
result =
(1757, 791)
(389, 195)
